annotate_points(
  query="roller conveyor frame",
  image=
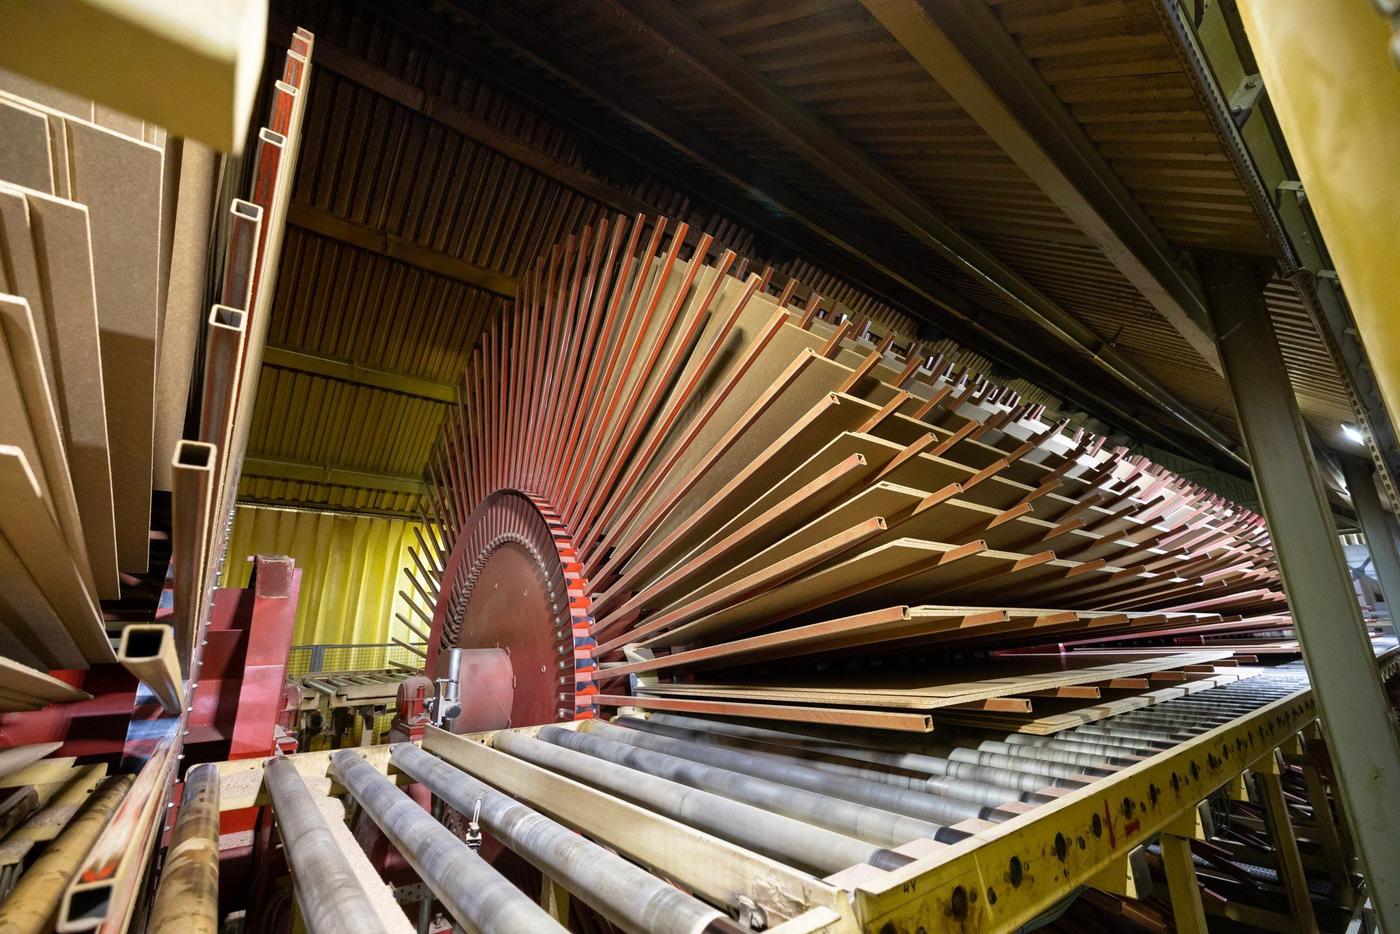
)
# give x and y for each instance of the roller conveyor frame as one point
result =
(999, 876)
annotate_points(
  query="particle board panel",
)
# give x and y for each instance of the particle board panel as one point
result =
(22, 682)
(670, 338)
(984, 576)
(899, 627)
(829, 716)
(656, 296)
(747, 325)
(806, 429)
(932, 472)
(811, 555)
(965, 683)
(956, 521)
(184, 309)
(50, 264)
(111, 50)
(651, 407)
(60, 102)
(860, 629)
(28, 526)
(31, 423)
(25, 157)
(882, 500)
(119, 179)
(26, 619)
(874, 453)
(773, 360)
(855, 575)
(1051, 723)
(805, 382)
(822, 490)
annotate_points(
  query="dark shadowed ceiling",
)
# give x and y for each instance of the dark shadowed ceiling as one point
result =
(1031, 178)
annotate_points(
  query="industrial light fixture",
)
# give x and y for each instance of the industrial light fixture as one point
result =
(1353, 434)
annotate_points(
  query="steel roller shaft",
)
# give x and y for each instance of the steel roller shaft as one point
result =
(476, 895)
(873, 825)
(801, 774)
(813, 848)
(625, 894)
(328, 892)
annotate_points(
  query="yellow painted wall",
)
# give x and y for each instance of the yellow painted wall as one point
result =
(351, 569)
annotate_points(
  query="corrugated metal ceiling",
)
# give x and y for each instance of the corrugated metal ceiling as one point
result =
(424, 188)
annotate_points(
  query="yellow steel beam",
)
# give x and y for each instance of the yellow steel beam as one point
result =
(1336, 92)
(1188, 914)
(1295, 880)
(999, 879)
(351, 371)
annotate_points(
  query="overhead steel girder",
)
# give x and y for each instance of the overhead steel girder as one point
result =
(302, 472)
(665, 28)
(291, 358)
(401, 249)
(1356, 713)
(965, 49)
(758, 185)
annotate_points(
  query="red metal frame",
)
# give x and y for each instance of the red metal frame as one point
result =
(243, 671)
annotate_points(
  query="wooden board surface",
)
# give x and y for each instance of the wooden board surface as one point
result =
(1007, 676)
(62, 298)
(119, 179)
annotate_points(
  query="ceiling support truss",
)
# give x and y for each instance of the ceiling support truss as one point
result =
(965, 49)
(670, 33)
(914, 288)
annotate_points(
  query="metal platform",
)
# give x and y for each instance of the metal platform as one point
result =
(762, 823)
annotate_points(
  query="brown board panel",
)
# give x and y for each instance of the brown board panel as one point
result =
(119, 179)
(59, 289)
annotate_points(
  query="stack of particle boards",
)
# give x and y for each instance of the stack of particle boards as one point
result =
(112, 252)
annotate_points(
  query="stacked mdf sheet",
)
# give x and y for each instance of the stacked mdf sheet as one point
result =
(742, 481)
(85, 225)
(107, 229)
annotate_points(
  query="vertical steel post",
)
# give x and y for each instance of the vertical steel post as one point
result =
(1341, 663)
(1290, 861)
(1188, 913)
(1324, 824)
(1361, 484)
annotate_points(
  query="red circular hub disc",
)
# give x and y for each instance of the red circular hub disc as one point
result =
(512, 583)
(510, 608)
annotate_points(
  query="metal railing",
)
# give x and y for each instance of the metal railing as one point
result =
(348, 656)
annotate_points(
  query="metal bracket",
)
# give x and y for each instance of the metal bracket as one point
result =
(1296, 188)
(749, 914)
(411, 894)
(1244, 97)
(447, 705)
(473, 837)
